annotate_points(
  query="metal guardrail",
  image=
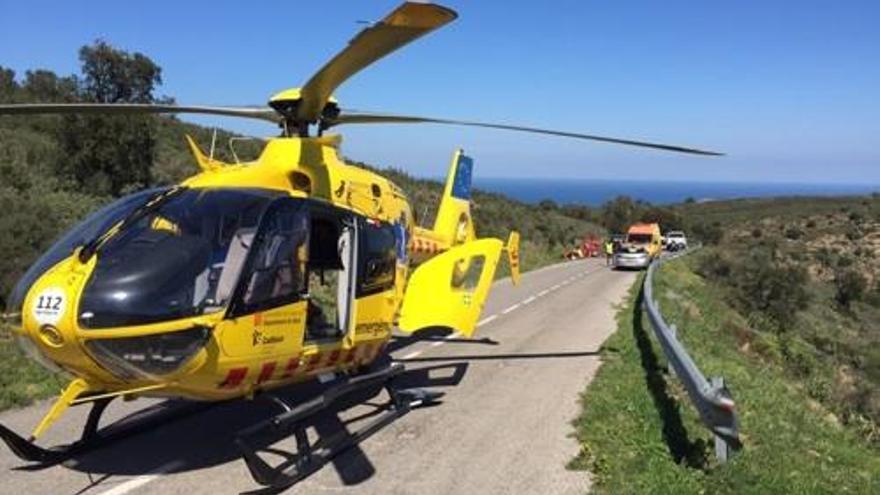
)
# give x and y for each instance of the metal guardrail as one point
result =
(713, 401)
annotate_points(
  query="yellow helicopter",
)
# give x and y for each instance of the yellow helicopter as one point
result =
(203, 290)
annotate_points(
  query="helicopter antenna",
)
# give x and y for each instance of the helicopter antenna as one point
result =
(235, 139)
(423, 216)
(213, 145)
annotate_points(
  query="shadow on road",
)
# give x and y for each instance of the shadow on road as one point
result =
(501, 357)
(207, 438)
(436, 334)
(692, 454)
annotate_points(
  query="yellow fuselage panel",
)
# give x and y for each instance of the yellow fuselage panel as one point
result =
(286, 162)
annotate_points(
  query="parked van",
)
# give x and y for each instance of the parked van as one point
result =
(642, 245)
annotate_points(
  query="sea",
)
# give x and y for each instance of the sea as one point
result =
(594, 192)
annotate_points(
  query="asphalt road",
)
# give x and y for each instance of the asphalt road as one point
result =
(504, 425)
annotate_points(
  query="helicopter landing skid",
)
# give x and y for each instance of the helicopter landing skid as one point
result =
(92, 438)
(312, 456)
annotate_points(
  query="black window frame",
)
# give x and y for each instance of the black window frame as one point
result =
(362, 288)
(237, 307)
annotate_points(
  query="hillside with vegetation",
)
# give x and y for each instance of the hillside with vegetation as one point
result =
(784, 302)
(57, 169)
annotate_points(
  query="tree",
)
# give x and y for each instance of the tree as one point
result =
(111, 154)
(668, 218)
(619, 213)
(46, 86)
(8, 86)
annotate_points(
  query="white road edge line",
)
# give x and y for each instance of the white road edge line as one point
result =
(139, 481)
(510, 308)
(486, 320)
(543, 292)
(528, 300)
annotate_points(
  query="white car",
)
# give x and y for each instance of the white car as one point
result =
(676, 241)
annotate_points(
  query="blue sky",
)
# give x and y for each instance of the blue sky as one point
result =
(789, 89)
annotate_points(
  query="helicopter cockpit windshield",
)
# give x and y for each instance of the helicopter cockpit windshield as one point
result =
(181, 259)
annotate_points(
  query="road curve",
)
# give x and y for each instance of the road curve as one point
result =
(504, 425)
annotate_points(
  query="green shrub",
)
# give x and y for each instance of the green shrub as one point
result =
(709, 234)
(760, 285)
(849, 286)
(794, 232)
(854, 233)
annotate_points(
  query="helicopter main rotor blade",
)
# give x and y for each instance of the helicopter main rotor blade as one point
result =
(354, 117)
(406, 23)
(266, 114)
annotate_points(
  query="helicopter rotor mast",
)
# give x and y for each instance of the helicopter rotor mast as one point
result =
(405, 24)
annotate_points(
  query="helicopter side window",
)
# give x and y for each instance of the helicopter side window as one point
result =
(377, 257)
(275, 270)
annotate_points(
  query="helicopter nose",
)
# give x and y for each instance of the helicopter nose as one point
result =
(45, 325)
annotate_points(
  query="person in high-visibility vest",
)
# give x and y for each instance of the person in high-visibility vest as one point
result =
(609, 252)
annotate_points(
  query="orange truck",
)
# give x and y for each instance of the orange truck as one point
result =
(641, 246)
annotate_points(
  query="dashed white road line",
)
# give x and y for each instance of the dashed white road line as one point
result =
(510, 308)
(543, 292)
(139, 481)
(488, 319)
(528, 300)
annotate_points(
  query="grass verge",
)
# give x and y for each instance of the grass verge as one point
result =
(21, 380)
(639, 433)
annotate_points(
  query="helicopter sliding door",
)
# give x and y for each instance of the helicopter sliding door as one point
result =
(345, 289)
(375, 290)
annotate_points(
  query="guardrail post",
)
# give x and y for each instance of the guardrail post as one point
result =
(722, 448)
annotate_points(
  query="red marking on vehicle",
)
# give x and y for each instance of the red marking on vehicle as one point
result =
(334, 357)
(291, 367)
(349, 357)
(313, 363)
(266, 372)
(365, 352)
(234, 378)
(258, 318)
